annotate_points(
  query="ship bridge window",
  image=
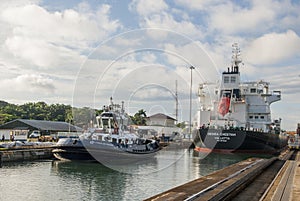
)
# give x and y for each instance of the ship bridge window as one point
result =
(262, 117)
(233, 79)
(253, 90)
(226, 79)
(251, 117)
(256, 117)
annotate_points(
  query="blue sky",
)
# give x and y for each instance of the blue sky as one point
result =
(83, 52)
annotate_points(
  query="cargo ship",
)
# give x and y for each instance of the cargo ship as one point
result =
(237, 116)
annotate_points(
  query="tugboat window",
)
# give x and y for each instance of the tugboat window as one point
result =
(226, 79)
(232, 79)
(252, 90)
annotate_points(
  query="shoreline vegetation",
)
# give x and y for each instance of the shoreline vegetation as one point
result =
(35, 110)
(56, 112)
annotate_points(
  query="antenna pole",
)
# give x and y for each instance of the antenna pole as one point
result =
(176, 99)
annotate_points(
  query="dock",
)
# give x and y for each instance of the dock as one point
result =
(276, 178)
(286, 185)
(25, 154)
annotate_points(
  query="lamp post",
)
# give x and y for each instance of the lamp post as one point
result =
(191, 67)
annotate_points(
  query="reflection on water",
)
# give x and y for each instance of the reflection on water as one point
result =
(91, 181)
(217, 161)
(56, 180)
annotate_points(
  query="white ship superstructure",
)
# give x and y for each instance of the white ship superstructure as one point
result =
(243, 105)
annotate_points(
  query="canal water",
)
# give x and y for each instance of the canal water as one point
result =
(57, 180)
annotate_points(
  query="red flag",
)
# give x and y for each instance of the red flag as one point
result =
(224, 105)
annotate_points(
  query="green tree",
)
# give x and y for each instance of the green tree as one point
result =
(139, 118)
(181, 125)
(8, 112)
(83, 117)
(39, 110)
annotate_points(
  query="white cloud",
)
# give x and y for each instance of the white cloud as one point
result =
(157, 14)
(67, 26)
(149, 58)
(54, 38)
(231, 18)
(195, 4)
(104, 22)
(41, 53)
(33, 83)
(6, 4)
(246, 18)
(147, 7)
(153, 92)
(193, 53)
(166, 21)
(120, 41)
(36, 87)
(272, 48)
(42, 50)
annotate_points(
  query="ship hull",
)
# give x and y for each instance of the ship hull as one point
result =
(105, 153)
(239, 141)
(73, 154)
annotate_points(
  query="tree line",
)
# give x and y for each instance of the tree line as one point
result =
(37, 111)
(56, 112)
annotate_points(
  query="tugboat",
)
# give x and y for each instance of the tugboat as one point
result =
(239, 119)
(109, 142)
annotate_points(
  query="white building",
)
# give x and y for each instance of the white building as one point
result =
(160, 119)
(161, 124)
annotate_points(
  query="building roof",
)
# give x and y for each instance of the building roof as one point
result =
(161, 116)
(40, 125)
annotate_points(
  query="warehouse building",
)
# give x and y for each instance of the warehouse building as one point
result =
(21, 129)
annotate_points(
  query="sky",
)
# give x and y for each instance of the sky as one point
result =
(83, 52)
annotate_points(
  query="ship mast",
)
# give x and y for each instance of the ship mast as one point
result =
(236, 59)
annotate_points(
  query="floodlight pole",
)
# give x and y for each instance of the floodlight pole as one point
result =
(191, 67)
